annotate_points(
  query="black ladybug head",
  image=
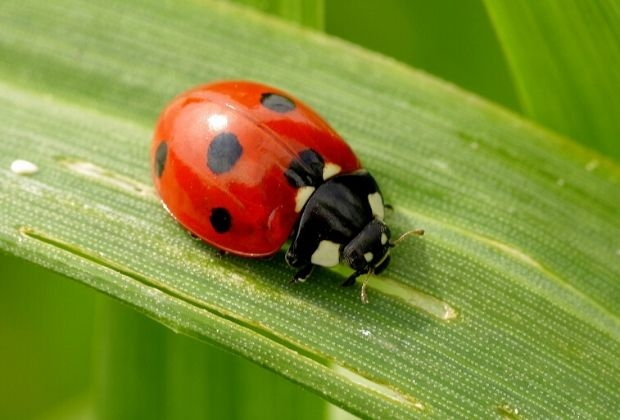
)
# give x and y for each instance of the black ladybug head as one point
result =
(369, 251)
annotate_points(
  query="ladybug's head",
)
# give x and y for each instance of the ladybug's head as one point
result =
(369, 251)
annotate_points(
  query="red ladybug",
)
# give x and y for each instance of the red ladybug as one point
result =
(245, 166)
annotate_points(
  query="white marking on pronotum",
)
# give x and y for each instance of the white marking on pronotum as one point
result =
(23, 167)
(303, 194)
(368, 256)
(376, 205)
(384, 239)
(327, 254)
(330, 169)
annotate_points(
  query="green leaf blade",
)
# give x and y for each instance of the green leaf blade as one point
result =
(534, 300)
(310, 13)
(562, 56)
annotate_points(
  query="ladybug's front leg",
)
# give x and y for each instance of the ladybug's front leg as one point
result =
(350, 281)
(303, 273)
(299, 254)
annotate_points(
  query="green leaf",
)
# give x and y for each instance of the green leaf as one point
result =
(563, 56)
(310, 13)
(508, 306)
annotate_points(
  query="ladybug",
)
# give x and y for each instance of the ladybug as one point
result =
(245, 166)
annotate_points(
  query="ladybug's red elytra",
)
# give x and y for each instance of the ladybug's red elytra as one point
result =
(245, 166)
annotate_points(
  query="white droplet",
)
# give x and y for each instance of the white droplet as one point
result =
(23, 167)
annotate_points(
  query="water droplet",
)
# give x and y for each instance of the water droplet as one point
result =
(23, 167)
(560, 182)
(474, 145)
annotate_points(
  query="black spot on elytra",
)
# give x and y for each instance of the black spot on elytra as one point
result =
(277, 103)
(224, 151)
(220, 220)
(161, 154)
(305, 170)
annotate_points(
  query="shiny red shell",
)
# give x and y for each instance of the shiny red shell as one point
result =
(254, 191)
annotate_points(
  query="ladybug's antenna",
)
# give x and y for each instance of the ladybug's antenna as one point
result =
(363, 293)
(417, 232)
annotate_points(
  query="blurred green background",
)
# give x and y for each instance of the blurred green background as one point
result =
(450, 39)
(56, 334)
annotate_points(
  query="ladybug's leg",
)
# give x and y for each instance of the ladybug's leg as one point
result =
(350, 281)
(221, 253)
(303, 273)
